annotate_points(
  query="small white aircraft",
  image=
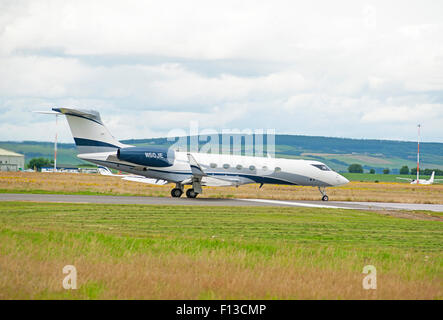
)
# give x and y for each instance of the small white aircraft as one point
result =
(129, 177)
(159, 166)
(418, 180)
(422, 181)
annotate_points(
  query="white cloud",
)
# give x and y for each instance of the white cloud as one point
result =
(342, 68)
(404, 114)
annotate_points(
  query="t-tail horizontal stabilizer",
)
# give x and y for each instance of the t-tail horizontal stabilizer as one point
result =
(89, 132)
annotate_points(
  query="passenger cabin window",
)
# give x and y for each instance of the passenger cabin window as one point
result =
(213, 165)
(265, 168)
(252, 168)
(322, 167)
(277, 169)
(239, 167)
(226, 166)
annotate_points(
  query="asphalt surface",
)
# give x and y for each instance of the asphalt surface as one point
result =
(60, 198)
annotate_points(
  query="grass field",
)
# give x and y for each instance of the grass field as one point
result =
(181, 252)
(96, 184)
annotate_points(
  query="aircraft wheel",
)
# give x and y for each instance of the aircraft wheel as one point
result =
(190, 193)
(325, 198)
(176, 193)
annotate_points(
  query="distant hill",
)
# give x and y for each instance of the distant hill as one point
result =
(338, 153)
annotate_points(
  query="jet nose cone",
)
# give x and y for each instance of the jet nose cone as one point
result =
(341, 180)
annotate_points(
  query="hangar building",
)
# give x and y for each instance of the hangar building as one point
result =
(11, 161)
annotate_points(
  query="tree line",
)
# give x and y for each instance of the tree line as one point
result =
(358, 168)
(39, 163)
(425, 172)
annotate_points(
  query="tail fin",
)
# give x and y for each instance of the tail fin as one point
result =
(432, 177)
(89, 132)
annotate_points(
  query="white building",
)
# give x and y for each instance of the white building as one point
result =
(11, 161)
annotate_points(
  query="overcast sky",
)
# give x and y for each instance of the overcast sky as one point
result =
(357, 69)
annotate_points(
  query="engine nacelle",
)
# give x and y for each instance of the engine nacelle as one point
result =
(147, 156)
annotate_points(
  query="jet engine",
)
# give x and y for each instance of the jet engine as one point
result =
(147, 156)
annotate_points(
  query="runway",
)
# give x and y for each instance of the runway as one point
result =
(61, 198)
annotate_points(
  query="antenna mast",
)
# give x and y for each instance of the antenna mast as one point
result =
(55, 143)
(418, 154)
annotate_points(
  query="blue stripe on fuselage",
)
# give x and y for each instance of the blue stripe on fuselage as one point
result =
(257, 179)
(93, 143)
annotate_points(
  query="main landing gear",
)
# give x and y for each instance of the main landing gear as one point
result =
(323, 192)
(178, 191)
(190, 193)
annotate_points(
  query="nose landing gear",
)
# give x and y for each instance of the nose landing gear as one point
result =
(323, 192)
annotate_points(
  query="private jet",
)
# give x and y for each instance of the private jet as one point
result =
(158, 166)
(422, 181)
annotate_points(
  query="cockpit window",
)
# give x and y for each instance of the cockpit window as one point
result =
(322, 167)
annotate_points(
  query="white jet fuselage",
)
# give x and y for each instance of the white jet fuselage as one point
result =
(241, 169)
